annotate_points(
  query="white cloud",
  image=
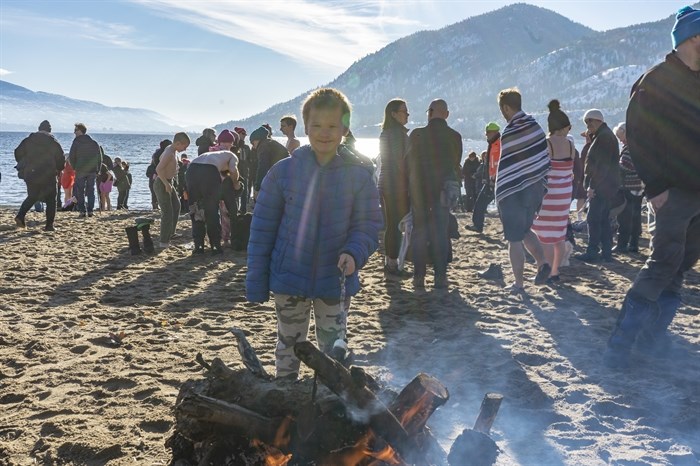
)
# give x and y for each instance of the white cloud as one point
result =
(112, 34)
(333, 34)
(4, 72)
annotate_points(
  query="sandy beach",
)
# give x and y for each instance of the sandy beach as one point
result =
(70, 395)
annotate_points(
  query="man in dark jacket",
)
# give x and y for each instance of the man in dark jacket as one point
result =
(269, 152)
(471, 164)
(433, 158)
(602, 182)
(39, 159)
(663, 133)
(86, 159)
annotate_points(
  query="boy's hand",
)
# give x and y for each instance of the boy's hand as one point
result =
(347, 263)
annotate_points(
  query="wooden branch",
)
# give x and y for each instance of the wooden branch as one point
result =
(245, 421)
(338, 379)
(248, 355)
(418, 401)
(487, 412)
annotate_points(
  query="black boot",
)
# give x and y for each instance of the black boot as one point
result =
(147, 241)
(133, 234)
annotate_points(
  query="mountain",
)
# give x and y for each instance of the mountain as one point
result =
(23, 110)
(541, 52)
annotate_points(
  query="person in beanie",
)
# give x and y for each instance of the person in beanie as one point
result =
(553, 217)
(269, 153)
(485, 196)
(206, 140)
(39, 160)
(602, 183)
(663, 134)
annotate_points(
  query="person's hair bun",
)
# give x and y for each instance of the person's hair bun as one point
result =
(554, 105)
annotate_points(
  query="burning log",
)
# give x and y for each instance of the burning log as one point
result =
(338, 379)
(418, 401)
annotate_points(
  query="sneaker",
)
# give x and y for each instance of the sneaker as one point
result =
(553, 280)
(473, 228)
(493, 272)
(49, 228)
(89, 214)
(543, 274)
(198, 250)
(396, 272)
(587, 257)
(20, 222)
(81, 215)
(217, 251)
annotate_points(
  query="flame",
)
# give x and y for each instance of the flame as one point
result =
(354, 455)
(273, 453)
(283, 434)
(413, 410)
(273, 456)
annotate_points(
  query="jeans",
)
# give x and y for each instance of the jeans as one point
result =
(482, 202)
(169, 209)
(630, 221)
(675, 246)
(599, 229)
(430, 239)
(85, 185)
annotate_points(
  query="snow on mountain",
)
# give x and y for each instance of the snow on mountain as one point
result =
(541, 52)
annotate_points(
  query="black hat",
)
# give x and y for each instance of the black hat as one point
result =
(45, 126)
(556, 119)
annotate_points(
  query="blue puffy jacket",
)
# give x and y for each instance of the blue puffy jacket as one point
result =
(305, 216)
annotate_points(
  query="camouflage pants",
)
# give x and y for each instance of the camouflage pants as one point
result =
(293, 316)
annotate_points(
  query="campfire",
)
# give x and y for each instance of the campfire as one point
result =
(340, 417)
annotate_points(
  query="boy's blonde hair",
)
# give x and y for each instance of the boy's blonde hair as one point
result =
(327, 98)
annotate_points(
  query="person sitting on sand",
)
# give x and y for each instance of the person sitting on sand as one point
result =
(316, 223)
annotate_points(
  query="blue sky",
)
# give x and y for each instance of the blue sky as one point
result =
(205, 62)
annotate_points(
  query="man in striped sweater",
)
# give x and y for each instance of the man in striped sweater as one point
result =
(521, 182)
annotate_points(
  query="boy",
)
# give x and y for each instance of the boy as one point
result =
(317, 216)
(163, 186)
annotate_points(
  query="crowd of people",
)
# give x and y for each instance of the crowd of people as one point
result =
(313, 213)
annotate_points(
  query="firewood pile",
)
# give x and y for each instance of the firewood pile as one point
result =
(339, 417)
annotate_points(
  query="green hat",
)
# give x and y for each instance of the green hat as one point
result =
(493, 126)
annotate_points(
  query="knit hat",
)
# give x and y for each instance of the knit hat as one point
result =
(687, 25)
(556, 119)
(493, 126)
(45, 126)
(227, 136)
(259, 134)
(593, 114)
(240, 131)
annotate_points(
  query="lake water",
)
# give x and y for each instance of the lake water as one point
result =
(137, 149)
